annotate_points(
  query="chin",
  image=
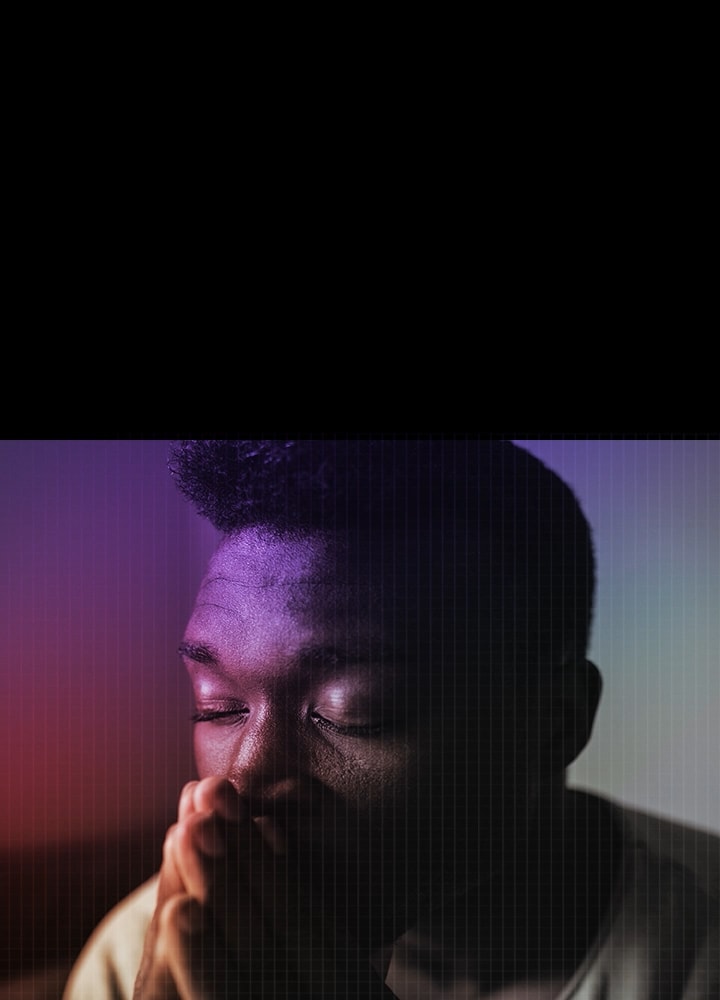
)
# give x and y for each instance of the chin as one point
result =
(370, 896)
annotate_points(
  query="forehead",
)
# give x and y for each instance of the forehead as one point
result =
(307, 576)
(371, 598)
(266, 594)
(261, 560)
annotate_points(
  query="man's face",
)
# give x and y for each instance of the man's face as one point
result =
(320, 693)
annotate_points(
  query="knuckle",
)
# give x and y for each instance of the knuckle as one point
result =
(200, 834)
(203, 794)
(186, 795)
(211, 792)
(183, 836)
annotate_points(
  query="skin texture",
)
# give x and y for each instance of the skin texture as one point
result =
(354, 781)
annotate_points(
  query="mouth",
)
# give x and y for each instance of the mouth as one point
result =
(274, 833)
(285, 829)
(315, 843)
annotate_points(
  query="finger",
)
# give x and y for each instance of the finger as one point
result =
(188, 846)
(201, 964)
(190, 956)
(217, 794)
(154, 979)
(238, 885)
(149, 981)
(173, 971)
(197, 845)
(295, 916)
(170, 881)
(270, 921)
(186, 805)
(254, 903)
(252, 896)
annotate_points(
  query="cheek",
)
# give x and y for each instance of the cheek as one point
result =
(376, 775)
(463, 778)
(211, 757)
(380, 776)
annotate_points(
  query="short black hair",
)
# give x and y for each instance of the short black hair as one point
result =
(540, 536)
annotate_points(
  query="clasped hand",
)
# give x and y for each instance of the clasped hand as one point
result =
(232, 919)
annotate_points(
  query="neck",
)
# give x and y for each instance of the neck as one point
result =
(501, 932)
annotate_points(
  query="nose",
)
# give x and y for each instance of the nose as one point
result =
(267, 768)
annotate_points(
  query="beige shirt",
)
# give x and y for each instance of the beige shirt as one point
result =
(660, 939)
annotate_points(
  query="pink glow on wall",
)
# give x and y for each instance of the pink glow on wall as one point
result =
(101, 558)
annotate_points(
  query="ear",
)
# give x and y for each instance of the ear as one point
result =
(576, 688)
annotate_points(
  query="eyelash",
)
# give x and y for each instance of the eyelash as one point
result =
(212, 716)
(320, 721)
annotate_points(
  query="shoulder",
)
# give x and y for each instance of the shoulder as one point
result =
(662, 936)
(672, 842)
(108, 964)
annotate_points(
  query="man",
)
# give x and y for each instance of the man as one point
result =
(388, 660)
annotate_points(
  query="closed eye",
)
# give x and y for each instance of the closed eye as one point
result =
(240, 714)
(215, 715)
(356, 730)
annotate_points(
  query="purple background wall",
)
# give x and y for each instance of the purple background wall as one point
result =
(100, 561)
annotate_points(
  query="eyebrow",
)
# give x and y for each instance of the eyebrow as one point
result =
(199, 654)
(316, 656)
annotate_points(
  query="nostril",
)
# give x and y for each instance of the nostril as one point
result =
(285, 798)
